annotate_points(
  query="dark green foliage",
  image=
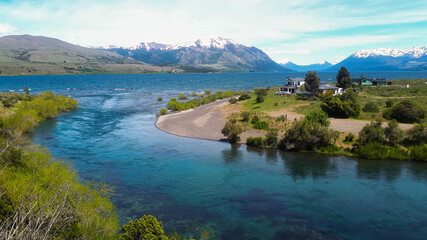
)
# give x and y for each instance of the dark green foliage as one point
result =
(244, 96)
(255, 119)
(306, 135)
(159, 99)
(232, 131)
(343, 106)
(260, 94)
(371, 133)
(389, 102)
(227, 94)
(194, 94)
(269, 141)
(207, 92)
(245, 116)
(343, 78)
(330, 149)
(312, 81)
(163, 111)
(349, 137)
(318, 116)
(256, 142)
(281, 118)
(371, 107)
(261, 125)
(419, 152)
(271, 138)
(393, 133)
(376, 150)
(145, 228)
(233, 100)
(27, 90)
(405, 111)
(417, 134)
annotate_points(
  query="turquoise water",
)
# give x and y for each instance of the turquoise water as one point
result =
(236, 191)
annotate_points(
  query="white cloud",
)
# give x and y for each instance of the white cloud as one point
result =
(6, 29)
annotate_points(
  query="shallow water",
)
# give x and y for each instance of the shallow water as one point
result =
(236, 191)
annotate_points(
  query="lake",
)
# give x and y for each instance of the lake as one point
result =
(234, 191)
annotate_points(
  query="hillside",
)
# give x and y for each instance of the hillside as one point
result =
(26, 54)
(305, 68)
(207, 55)
(385, 59)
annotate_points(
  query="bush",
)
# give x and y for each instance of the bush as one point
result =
(227, 94)
(255, 119)
(159, 99)
(261, 125)
(376, 151)
(255, 141)
(281, 118)
(260, 93)
(343, 106)
(232, 100)
(419, 152)
(371, 107)
(349, 137)
(207, 92)
(393, 133)
(245, 116)
(271, 138)
(389, 103)
(182, 96)
(372, 132)
(306, 135)
(163, 111)
(194, 94)
(405, 111)
(244, 96)
(145, 228)
(417, 134)
(232, 131)
(318, 116)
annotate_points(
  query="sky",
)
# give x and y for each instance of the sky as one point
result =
(304, 31)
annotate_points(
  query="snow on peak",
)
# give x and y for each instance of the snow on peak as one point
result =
(409, 52)
(150, 46)
(218, 43)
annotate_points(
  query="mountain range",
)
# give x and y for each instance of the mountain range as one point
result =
(304, 68)
(26, 54)
(204, 55)
(385, 59)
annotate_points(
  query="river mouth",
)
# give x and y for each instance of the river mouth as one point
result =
(234, 191)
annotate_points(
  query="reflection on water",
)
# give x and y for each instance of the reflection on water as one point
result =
(236, 191)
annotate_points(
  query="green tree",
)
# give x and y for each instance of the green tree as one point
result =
(260, 94)
(318, 116)
(343, 78)
(271, 138)
(145, 228)
(312, 81)
(371, 133)
(245, 116)
(232, 131)
(405, 111)
(393, 133)
(417, 134)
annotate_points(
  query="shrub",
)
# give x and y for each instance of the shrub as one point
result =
(194, 94)
(371, 107)
(372, 132)
(349, 137)
(227, 94)
(393, 133)
(261, 125)
(173, 100)
(207, 92)
(245, 116)
(318, 116)
(163, 111)
(159, 99)
(232, 131)
(182, 96)
(389, 103)
(306, 135)
(345, 105)
(281, 118)
(405, 111)
(271, 138)
(255, 119)
(376, 150)
(419, 152)
(417, 134)
(260, 93)
(244, 96)
(146, 227)
(255, 141)
(233, 100)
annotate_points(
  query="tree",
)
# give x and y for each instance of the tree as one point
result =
(260, 94)
(232, 131)
(312, 81)
(406, 111)
(245, 116)
(393, 133)
(343, 78)
(27, 90)
(371, 133)
(318, 116)
(145, 228)
(417, 134)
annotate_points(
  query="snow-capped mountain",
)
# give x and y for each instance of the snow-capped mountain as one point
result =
(385, 59)
(204, 55)
(304, 68)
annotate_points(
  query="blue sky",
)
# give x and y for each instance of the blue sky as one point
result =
(305, 31)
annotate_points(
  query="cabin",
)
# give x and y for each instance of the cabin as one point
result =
(370, 81)
(291, 86)
(324, 87)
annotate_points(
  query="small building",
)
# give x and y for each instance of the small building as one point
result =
(370, 81)
(380, 81)
(291, 86)
(324, 87)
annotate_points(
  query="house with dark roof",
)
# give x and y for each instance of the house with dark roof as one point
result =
(324, 87)
(291, 86)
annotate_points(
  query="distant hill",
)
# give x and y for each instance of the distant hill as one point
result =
(207, 55)
(304, 68)
(26, 54)
(385, 59)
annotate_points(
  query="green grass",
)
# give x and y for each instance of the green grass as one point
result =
(313, 106)
(271, 102)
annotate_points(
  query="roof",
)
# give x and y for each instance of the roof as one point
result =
(288, 86)
(326, 86)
